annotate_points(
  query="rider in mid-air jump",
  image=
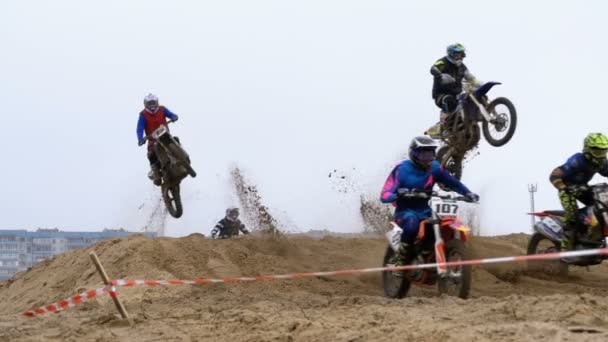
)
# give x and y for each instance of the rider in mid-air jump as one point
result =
(420, 172)
(150, 118)
(448, 73)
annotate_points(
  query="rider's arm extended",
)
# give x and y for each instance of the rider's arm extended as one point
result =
(569, 168)
(141, 125)
(557, 178)
(437, 68)
(389, 191)
(470, 77)
(242, 228)
(170, 114)
(444, 177)
(217, 229)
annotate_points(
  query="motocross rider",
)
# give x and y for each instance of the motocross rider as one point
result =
(448, 73)
(420, 172)
(150, 118)
(571, 181)
(229, 226)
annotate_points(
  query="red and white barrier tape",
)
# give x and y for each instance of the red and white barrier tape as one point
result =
(71, 302)
(111, 289)
(547, 256)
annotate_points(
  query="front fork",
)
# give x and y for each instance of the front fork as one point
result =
(482, 109)
(439, 250)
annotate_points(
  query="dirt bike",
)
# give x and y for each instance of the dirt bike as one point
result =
(460, 129)
(174, 166)
(549, 233)
(441, 238)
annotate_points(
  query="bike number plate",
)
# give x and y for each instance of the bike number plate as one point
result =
(159, 132)
(394, 237)
(550, 224)
(444, 208)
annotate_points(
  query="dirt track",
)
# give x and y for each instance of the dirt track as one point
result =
(506, 304)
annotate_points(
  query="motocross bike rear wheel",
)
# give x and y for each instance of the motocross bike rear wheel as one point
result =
(501, 130)
(450, 162)
(539, 244)
(457, 281)
(395, 285)
(172, 200)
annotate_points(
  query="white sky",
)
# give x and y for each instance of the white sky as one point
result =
(288, 90)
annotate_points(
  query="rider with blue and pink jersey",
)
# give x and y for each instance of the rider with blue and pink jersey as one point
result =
(420, 172)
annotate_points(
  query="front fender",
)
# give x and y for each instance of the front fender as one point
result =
(485, 88)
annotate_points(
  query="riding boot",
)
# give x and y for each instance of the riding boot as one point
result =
(154, 174)
(405, 255)
(571, 232)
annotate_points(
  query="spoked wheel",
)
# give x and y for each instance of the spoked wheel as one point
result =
(457, 281)
(172, 200)
(396, 284)
(450, 162)
(501, 129)
(539, 244)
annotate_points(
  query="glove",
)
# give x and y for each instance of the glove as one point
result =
(472, 197)
(141, 142)
(175, 119)
(447, 79)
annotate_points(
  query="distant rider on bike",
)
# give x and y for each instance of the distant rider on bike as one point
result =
(420, 172)
(571, 181)
(229, 226)
(448, 73)
(150, 118)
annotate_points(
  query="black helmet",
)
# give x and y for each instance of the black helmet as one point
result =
(422, 151)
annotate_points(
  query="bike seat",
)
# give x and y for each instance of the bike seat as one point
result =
(555, 212)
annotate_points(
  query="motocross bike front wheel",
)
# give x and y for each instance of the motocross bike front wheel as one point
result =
(502, 127)
(539, 244)
(451, 162)
(172, 200)
(395, 283)
(457, 281)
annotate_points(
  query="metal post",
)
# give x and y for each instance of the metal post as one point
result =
(106, 280)
(532, 188)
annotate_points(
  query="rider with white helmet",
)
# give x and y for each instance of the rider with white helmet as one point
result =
(150, 118)
(229, 226)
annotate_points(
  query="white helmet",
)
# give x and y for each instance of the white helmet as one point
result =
(232, 213)
(151, 102)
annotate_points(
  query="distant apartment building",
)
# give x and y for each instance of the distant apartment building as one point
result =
(20, 249)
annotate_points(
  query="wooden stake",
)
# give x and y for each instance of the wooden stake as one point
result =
(106, 280)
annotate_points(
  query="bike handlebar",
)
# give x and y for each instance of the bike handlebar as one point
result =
(165, 124)
(428, 194)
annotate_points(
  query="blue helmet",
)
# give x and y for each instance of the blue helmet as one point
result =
(456, 53)
(422, 151)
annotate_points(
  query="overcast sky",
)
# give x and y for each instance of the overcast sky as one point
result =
(288, 91)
